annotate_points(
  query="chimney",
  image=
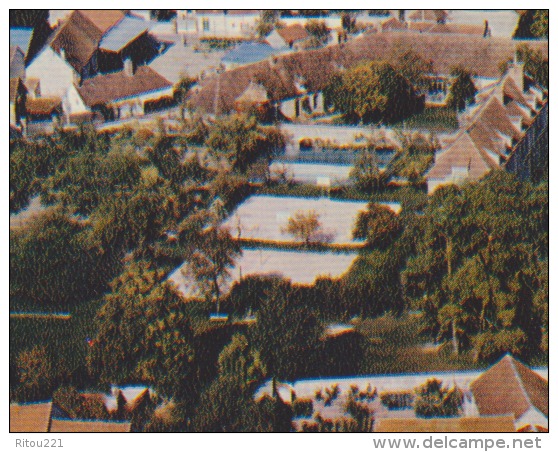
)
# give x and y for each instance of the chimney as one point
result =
(128, 67)
(516, 71)
(63, 54)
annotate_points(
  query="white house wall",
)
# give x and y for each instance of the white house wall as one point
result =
(226, 25)
(72, 102)
(55, 75)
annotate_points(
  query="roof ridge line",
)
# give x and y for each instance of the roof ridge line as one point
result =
(520, 380)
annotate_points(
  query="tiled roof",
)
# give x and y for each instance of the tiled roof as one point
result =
(393, 24)
(80, 426)
(481, 56)
(31, 83)
(463, 29)
(431, 15)
(462, 153)
(293, 33)
(102, 19)
(510, 387)
(78, 38)
(118, 85)
(42, 105)
(30, 417)
(253, 94)
(15, 85)
(497, 424)
(488, 127)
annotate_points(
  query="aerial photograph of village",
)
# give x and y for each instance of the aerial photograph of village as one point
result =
(278, 221)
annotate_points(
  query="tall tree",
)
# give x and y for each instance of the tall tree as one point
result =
(525, 24)
(462, 90)
(372, 92)
(240, 140)
(143, 333)
(53, 265)
(211, 262)
(286, 334)
(539, 28)
(378, 225)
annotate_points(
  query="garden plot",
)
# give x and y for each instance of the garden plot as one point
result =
(265, 217)
(301, 267)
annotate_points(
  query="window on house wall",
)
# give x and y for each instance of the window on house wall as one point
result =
(205, 24)
(297, 108)
(315, 101)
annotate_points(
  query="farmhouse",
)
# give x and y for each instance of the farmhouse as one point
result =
(118, 95)
(290, 37)
(493, 132)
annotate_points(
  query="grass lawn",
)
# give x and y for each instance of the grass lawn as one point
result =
(395, 346)
(432, 119)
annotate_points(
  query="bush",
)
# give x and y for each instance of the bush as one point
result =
(397, 400)
(161, 103)
(303, 408)
(306, 144)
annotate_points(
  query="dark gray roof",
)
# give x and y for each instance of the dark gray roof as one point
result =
(123, 33)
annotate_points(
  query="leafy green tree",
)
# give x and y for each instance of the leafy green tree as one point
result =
(304, 226)
(211, 262)
(415, 156)
(536, 64)
(378, 225)
(37, 377)
(286, 334)
(88, 178)
(462, 90)
(539, 28)
(239, 360)
(226, 406)
(240, 140)
(434, 400)
(143, 333)
(414, 68)
(372, 92)
(53, 265)
(318, 31)
(532, 23)
(366, 173)
(476, 271)
(135, 219)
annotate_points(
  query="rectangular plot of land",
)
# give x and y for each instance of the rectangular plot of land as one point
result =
(266, 217)
(301, 267)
